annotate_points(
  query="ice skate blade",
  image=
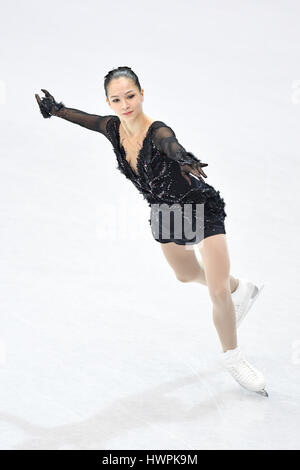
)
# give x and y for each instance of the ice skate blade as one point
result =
(263, 392)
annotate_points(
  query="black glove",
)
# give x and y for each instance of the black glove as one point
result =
(48, 106)
(193, 165)
(191, 159)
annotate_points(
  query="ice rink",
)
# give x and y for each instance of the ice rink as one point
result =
(101, 347)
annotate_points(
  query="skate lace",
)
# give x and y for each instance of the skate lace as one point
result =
(237, 307)
(240, 309)
(243, 370)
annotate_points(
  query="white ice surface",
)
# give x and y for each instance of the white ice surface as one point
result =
(101, 347)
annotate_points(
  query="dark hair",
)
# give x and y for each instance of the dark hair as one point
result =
(122, 71)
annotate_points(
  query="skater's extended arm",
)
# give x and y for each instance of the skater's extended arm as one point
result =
(49, 107)
(165, 140)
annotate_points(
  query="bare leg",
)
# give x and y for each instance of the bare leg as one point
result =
(214, 274)
(216, 263)
(186, 266)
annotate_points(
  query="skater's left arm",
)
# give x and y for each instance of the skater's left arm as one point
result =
(165, 140)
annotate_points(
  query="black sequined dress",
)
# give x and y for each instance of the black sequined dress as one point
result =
(199, 208)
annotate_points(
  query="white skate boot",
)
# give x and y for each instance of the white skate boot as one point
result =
(244, 297)
(243, 372)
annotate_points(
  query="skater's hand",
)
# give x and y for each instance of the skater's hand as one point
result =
(48, 106)
(195, 169)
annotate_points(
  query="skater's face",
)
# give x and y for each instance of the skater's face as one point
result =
(124, 96)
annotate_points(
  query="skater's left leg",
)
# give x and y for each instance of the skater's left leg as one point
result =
(216, 264)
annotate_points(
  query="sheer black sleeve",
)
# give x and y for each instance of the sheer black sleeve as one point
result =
(165, 140)
(93, 122)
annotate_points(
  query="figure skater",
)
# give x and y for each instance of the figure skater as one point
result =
(149, 154)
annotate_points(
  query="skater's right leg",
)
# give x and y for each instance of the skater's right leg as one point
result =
(216, 264)
(184, 263)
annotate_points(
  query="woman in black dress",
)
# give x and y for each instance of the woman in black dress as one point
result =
(185, 211)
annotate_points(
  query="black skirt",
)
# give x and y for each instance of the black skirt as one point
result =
(186, 223)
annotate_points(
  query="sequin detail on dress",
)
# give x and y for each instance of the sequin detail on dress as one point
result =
(160, 180)
(159, 177)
